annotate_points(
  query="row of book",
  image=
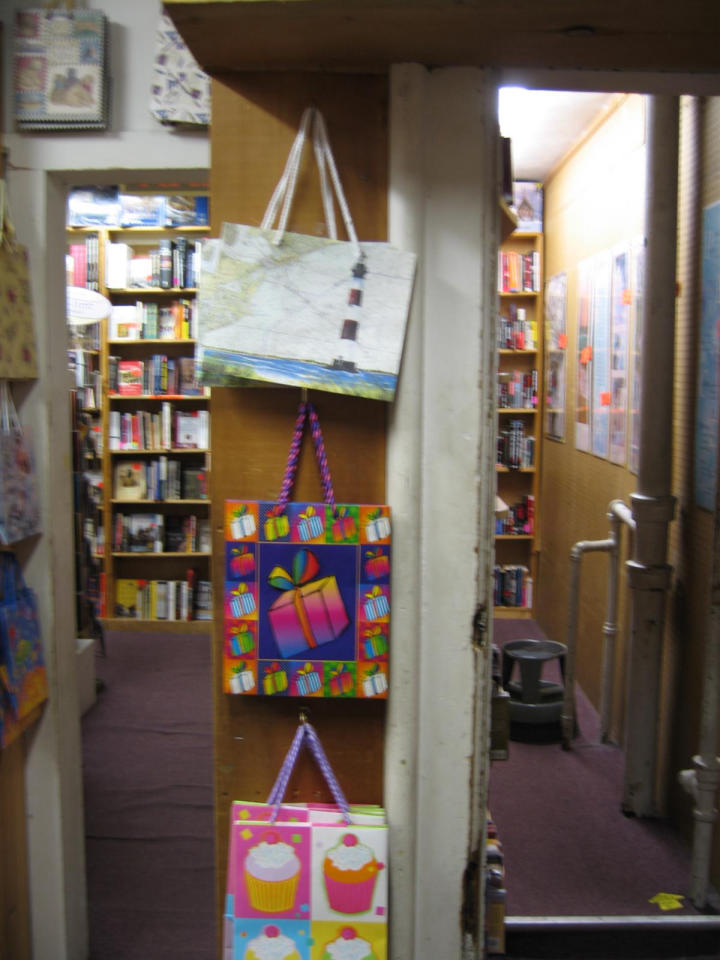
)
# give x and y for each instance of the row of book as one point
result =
(110, 207)
(517, 390)
(158, 533)
(159, 375)
(515, 331)
(515, 447)
(512, 586)
(170, 429)
(188, 599)
(173, 264)
(518, 272)
(495, 894)
(144, 320)
(82, 263)
(520, 518)
(159, 479)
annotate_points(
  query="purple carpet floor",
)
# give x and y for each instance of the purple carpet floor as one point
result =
(569, 849)
(147, 753)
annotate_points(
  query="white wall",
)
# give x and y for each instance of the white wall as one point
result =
(40, 168)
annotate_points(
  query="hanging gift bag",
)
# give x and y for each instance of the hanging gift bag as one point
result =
(180, 90)
(23, 680)
(304, 880)
(307, 590)
(303, 310)
(19, 501)
(17, 335)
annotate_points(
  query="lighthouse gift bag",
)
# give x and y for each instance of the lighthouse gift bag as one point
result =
(305, 879)
(307, 591)
(303, 310)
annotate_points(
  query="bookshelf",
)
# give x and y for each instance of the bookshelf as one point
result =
(153, 511)
(517, 543)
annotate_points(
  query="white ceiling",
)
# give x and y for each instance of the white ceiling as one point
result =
(544, 124)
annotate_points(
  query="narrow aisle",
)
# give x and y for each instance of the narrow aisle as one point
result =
(148, 787)
(569, 850)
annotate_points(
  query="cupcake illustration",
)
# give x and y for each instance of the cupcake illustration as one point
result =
(350, 872)
(271, 945)
(272, 871)
(348, 946)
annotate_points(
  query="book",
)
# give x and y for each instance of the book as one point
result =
(145, 532)
(117, 260)
(194, 483)
(130, 481)
(528, 205)
(188, 383)
(126, 597)
(125, 322)
(183, 210)
(189, 429)
(141, 210)
(130, 376)
(203, 601)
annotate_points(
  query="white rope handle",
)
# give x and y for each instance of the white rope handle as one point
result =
(285, 189)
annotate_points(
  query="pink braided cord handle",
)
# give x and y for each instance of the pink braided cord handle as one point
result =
(305, 410)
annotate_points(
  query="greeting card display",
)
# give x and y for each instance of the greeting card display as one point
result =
(306, 881)
(307, 591)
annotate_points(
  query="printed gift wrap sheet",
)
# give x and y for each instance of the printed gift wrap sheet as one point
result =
(307, 599)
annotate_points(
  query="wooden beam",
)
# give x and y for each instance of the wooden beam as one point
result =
(369, 35)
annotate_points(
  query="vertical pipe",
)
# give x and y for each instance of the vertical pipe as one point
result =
(610, 630)
(653, 504)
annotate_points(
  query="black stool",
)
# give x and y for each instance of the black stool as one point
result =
(532, 699)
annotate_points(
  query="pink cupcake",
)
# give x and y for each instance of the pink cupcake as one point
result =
(272, 871)
(350, 871)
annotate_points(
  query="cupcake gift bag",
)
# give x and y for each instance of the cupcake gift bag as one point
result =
(306, 881)
(307, 591)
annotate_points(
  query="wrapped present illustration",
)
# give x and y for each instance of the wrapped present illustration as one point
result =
(344, 526)
(376, 604)
(309, 612)
(374, 682)
(341, 680)
(377, 526)
(242, 601)
(374, 642)
(276, 527)
(242, 680)
(242, 523)
(310, 525)
(241, 639)
(377, 564)
(307, 680)
(242, 562)
(275, 679)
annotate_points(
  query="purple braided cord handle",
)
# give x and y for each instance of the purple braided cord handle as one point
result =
(306, 733)
(280, 786)
(294, 455)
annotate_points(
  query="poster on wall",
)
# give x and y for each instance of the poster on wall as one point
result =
(637, 266)
(601, 395)
(706, 416)
(584, 357)
(556, 347)
(620, 327)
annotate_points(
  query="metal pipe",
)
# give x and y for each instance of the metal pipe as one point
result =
(567, 718)
(653, 504)
(618, 512)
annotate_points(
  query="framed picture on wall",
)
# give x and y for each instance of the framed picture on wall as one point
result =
(60, 70)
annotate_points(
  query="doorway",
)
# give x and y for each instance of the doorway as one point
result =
(573, 501)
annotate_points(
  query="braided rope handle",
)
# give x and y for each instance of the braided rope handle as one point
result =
(306, 410)
(305, 733)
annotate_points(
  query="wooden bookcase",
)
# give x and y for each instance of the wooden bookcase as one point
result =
(520, 378)
(117, 560)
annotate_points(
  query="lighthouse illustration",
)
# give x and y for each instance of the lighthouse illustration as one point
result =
(347, 360)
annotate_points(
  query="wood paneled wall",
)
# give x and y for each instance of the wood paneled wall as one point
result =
(255, 118)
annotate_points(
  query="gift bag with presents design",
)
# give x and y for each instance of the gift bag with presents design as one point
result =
(302, 310)
(306, 881)
(23, 680)
(307, 590)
